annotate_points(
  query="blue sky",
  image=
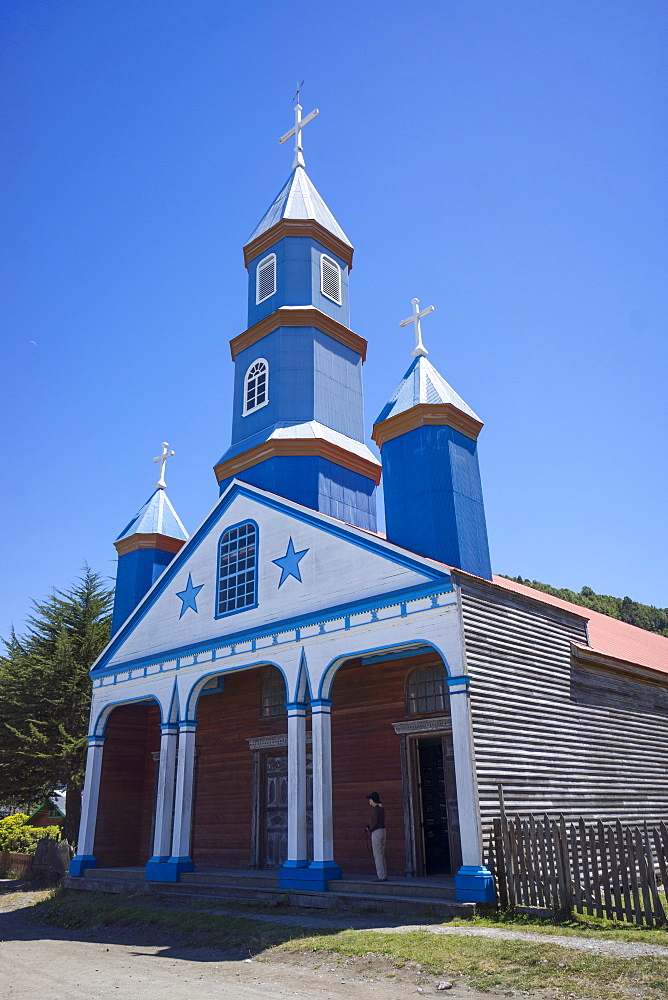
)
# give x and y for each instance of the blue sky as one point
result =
(504, 160)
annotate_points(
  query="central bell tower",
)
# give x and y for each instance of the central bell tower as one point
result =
(298, 422)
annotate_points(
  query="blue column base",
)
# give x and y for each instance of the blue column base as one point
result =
(474, 884)
(80, 863)
(314, 878)
(167, 869)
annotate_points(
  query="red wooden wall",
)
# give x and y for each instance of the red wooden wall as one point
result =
(127, 787)
(366, 700)
(224, 783)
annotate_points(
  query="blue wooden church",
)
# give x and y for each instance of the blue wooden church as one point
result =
(267, 672)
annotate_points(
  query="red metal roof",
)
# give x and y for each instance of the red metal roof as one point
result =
(608, 636)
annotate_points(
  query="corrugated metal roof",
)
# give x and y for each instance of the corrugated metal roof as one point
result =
(157, 516)
(298, 199)
(423, 384)
(608, 636)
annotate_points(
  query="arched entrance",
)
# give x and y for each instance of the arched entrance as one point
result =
(126, 807)
(240, 814)
(392, 733)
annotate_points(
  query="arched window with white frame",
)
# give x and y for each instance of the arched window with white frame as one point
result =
(256, 386)
(265, 278)
(330, 278)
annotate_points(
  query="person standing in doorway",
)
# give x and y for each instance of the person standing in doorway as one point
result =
(378, 833)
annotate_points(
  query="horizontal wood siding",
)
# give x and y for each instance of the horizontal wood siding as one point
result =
(224, 770)
(559, 737)
(125, 813)
(366, 700)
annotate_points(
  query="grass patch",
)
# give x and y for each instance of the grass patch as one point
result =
(578, 926)
(489, 964)
(97, 913)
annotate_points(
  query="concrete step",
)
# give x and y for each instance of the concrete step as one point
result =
(435, 889)
(192, 894)
(264, 880)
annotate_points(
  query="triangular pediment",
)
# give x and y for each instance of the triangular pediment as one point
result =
(307, 564)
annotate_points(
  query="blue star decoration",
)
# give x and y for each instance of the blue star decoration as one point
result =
(289, 563)
(189, 596)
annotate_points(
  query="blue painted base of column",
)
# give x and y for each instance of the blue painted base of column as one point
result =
(167, 869)
(474, 885)
(314, 878)
(81, 862)
(292, 874)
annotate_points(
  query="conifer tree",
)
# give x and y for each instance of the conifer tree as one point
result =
(45, 693)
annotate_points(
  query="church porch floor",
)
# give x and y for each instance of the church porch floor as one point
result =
(432, 896)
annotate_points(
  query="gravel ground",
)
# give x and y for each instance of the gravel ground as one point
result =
(45, 962)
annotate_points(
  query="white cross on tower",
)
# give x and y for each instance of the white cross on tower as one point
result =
(296, 130)
(161, 484)
(420, 350)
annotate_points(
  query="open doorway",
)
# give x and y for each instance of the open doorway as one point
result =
(433, 806)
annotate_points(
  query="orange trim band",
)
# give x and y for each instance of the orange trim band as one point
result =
(297, 446)
(426, 414)
(149, 541)
(298, 227)
(304, 316)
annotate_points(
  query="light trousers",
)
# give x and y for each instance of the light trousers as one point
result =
(378, 848)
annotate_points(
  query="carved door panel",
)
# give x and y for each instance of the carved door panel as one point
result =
(275, 809)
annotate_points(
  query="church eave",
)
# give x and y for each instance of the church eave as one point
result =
(426, 414)
(299, 316)
(298, 227)
(313, 447)
(153, 540)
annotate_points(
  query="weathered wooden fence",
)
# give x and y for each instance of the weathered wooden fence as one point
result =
(52, 857)
(543, 864)
(12, 863)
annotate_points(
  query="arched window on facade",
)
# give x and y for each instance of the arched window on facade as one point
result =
(426, 690)
(273, 693)
(237, 569)
(256, 386)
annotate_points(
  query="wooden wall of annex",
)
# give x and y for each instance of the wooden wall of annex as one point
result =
(561, 736)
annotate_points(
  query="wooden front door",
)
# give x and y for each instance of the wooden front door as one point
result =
(274, 811)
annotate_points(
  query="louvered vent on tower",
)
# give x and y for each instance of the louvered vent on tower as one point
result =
(266, 278)
(330, 278)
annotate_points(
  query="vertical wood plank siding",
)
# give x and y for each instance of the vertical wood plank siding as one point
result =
(125, 813)
(224, 770)
(366, 700)
(559, 737)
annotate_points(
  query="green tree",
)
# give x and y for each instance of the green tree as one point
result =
(45, 693)
(642, 615)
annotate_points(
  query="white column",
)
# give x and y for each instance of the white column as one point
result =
(323, 829)
(465, 776)
(474, 883)
(164, 804)
(183, 799)
(297, 838)
(85, 857)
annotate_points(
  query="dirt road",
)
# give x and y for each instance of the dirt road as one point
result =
(43, 962)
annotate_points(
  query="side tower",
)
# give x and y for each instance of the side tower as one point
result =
(145, 546)
(298, 423)
(428, 437)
